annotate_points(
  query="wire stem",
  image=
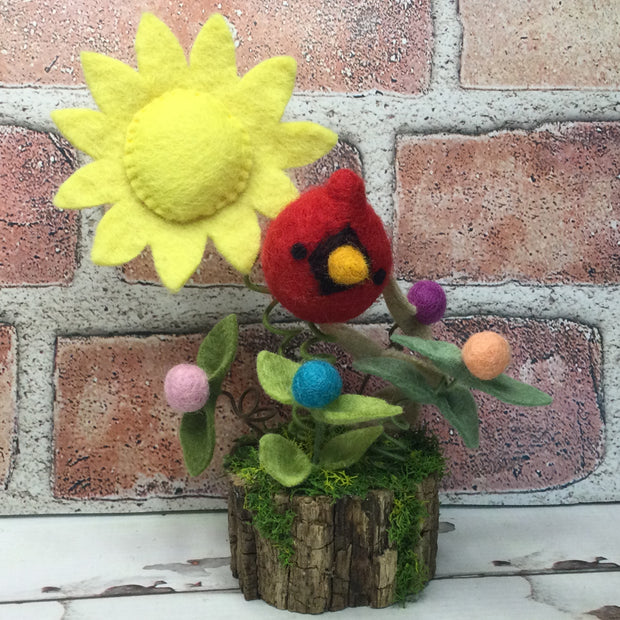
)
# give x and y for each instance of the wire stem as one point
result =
(365, 381)
(287, 334)
(298, 420)
(389, 454)
(259, 288)
(319, 434)
(321, 335)
(396, 442)
(307, 355)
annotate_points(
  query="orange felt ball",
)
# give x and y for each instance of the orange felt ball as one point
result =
(486, 355)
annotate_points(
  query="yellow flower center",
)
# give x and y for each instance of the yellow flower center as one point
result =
(186, 156)
(346, 265)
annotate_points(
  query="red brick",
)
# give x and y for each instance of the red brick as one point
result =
(542, 44)
(214, 269)
(345, 46)
(8, 385)
(538, 206)
(37, 242)
(531, 448)
(115, 436)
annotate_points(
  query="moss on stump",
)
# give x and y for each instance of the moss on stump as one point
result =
(344, 555)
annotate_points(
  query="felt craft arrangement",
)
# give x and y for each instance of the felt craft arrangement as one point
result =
(186, 151)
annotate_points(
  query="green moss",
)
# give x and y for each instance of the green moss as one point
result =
(417, 457)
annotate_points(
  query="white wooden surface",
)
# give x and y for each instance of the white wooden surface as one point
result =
(493, 563)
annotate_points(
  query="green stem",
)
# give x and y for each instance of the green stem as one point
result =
(298, 420)
(389, 454)
(287, 334)
(255, 287)
(365, 381)
(392, 329)
(319, 434)
(404, 425)
(402, 311)
(396, 442)
(306, 355)
(320, 334)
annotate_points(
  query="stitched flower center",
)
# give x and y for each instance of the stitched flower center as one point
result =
(186, 156)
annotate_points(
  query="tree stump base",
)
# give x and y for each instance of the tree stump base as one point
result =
(343, 556)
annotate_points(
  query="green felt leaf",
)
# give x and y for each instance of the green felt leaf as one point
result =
(275, 374)
(283, 459)
(218, 349)
(445, 355)
(458, 407)
(215, 356)
(197, 435)
(348, 448)
(350, 409)
(511, 391)
(400, 373)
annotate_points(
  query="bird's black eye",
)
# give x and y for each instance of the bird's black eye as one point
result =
(298, 251)
(379, 276)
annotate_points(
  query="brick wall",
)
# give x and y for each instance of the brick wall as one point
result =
(489, 137)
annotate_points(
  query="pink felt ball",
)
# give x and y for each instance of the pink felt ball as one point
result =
(429, 299)
(186, 387)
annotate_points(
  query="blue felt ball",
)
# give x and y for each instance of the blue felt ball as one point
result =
(316, 384)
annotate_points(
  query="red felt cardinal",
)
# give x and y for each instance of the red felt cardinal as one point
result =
(327, 257)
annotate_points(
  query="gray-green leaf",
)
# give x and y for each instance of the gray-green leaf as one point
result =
(400, 373)
(458, 407)
(283, 460)
(275, 374)
(511, 391)
(445, 355)
(350, 409)
(348, 448)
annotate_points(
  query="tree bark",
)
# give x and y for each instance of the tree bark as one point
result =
(343, 555)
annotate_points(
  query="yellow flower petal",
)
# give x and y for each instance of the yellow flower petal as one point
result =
(89, 131)
(117, 89)
(161, 59)
(236, 235)
(95, 184)
(263, 92)
(136, 135)
(212, 60)
(119, 237)
(270, 190)
(177, 252)
(301, 143)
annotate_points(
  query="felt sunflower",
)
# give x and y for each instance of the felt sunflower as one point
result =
(185, 151)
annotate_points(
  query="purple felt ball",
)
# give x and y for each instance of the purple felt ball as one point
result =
(429, 299)
(186, 387)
